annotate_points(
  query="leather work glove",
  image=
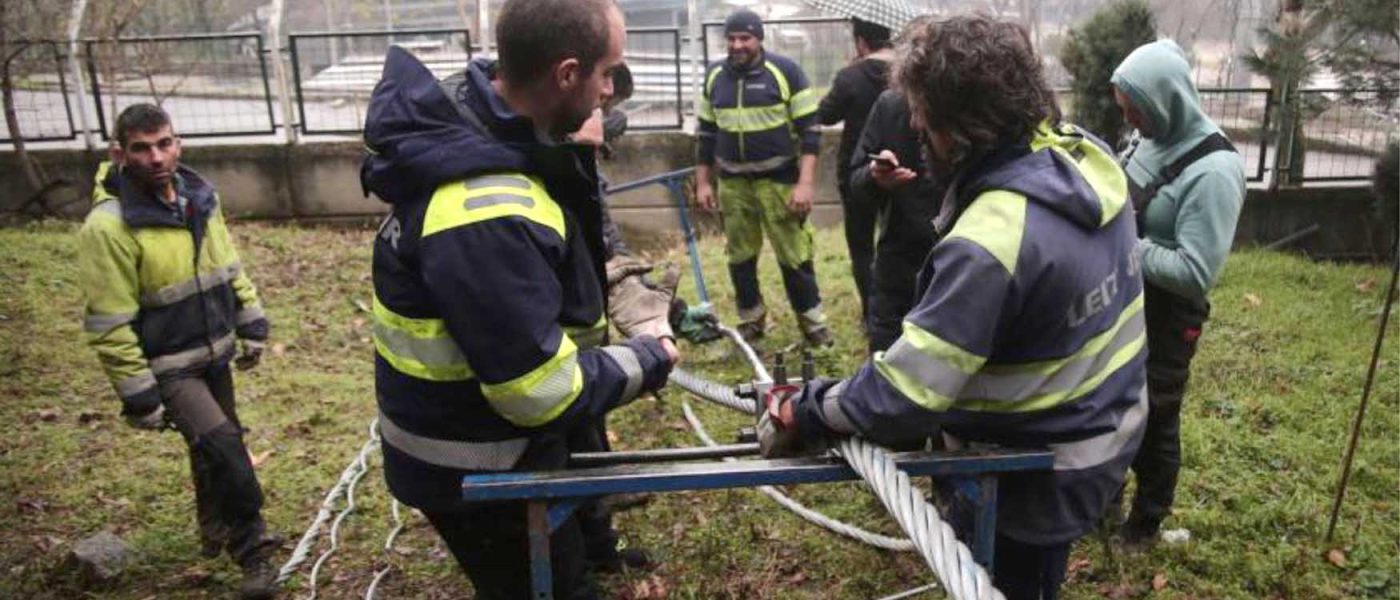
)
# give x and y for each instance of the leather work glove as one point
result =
(778, 433)
(637, 305)
(152, 421)
(251, 355)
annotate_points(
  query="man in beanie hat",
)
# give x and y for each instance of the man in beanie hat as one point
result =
(758, 126)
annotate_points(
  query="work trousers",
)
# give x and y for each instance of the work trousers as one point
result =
(751, 207)
(228, 498)
(860, 219)
(1173, 329)
(896, 272)
(490, 540)
(595, 517)
(1029, 572)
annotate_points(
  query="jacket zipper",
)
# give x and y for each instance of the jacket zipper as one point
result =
(199, 285)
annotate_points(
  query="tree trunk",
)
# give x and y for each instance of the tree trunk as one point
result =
(7, 94)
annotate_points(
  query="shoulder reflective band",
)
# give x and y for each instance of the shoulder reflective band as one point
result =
(491, 197)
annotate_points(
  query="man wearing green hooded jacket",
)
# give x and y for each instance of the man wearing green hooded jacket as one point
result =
(1187, 183)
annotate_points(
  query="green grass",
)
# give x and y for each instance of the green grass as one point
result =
(1273, 392)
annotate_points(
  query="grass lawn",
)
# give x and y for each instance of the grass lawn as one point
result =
(1273, 392)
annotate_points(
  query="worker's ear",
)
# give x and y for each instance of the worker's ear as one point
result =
(568, 75)
(117, 155)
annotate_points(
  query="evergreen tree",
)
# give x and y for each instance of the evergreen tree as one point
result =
(1091, 54)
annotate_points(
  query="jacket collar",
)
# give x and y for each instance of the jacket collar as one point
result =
(141, 208)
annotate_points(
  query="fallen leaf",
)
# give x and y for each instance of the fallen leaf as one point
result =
(1366, 285)
(30, 505)
(47, 543)
(1337, 558)
(279, 350)
(47, 414)
(612, 437)
(89, 417)
(1078, 565)
(1159, 582)
(357, 323)
(797, 578)
(362, 305)
(260, 458)
(1253, 300)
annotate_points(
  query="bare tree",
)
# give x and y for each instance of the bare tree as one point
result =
(25, 28)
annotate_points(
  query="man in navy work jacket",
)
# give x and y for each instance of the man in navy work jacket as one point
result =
(489, 311)
(1029, 331)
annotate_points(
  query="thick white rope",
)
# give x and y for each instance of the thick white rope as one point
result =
(388, 550)
(948, 557)
(850, 531)
(361, 466)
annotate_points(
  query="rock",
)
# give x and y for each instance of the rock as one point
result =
(98, 559)
(1176, 536)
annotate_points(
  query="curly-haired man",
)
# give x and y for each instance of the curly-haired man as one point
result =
(1029, 328)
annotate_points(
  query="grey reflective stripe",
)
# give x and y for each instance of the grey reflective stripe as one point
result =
(506, 181)
(135, 385)
(171, 294)
(105, 323)
(1020, 386)
(626, 360)
(248, 315)
(1083, 454)
(832, 413)
(169, 363)
(432, 352)
(454, 454)
(497, 199)
(940, 377)
(111, 207)
(757, 166)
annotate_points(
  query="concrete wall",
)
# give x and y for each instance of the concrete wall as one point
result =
(321, 181)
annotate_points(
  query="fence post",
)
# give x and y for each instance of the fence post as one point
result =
(75, 26)
(279, 70)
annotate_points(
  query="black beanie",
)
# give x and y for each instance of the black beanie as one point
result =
(746, 21)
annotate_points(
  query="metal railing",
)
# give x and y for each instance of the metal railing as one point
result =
(1244, 114)
(658, 96)
(1343, 132)
(212, 85)
(334, 73)
(41, 93)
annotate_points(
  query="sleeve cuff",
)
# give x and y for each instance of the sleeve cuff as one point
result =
(256, 327)
(655, 363)
(141, 403)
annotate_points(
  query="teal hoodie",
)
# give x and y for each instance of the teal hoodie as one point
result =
(1190, 223)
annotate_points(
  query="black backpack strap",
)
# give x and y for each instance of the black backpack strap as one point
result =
(1212, 143)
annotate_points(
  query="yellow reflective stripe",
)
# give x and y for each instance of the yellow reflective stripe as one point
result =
(710, 80)
(996, 221)
(539, 396)
(751, 118)
(1094, 346)
(1100, 169)
(911, 388)
(783, 90)
(804, 103)
(419, 348)
(588, 336)
(704, 110)
(926, 368)
(489, 197)
(1121, 357)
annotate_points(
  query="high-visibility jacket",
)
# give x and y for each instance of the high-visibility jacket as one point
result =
(489, 315)
(756, 121)
(166, 293)
(1029, 332)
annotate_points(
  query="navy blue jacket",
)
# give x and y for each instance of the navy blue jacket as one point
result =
(489, 304)
(756, 121)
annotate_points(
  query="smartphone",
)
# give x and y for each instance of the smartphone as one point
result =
(883, 161)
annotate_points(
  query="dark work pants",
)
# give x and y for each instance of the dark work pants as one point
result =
(228, 499)
(1029, 572)
(491, 544)
(861, 218)
(1173, 328)
(896, 271)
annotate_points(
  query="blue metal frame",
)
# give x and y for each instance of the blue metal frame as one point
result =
(552, 496)
(674, 182)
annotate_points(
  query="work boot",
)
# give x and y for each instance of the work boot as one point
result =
(752, 322)
(1139, 533)
(259, 580)
(814, 329)
(212, 541)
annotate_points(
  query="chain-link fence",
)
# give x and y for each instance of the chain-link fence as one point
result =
(1344, 130)
(1243, 113)
(211, 85)
(335, 72)
(820, 46)
(42, 105)
(654, 57)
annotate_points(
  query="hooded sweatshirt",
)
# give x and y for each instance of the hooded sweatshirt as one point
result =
(1191, 222)
(1029, 332)
(852, 93)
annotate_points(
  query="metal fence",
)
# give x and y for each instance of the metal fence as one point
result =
(820, 46)
(218, 85)
(41, 93)
(658, 95)
(335, 72)
(212, 85)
